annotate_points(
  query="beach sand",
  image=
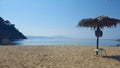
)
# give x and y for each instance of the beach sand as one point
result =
(57, 57)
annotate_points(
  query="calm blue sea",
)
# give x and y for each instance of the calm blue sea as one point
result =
(65, 41)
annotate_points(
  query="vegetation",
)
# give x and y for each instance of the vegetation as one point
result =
(8, 31)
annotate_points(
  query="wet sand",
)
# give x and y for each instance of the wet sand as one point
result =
(58, 57)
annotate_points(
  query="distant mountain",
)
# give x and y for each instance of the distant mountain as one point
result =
(118, 39)
(61, 37)
(50, 37)
(8, 31)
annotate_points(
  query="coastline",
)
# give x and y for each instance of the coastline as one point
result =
(58, 57)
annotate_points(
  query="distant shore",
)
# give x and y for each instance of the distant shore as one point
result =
(118, 39)
(57, 57)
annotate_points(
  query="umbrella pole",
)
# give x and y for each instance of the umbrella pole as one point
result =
(97, 47)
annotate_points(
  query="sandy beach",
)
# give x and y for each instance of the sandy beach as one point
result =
(58, 57)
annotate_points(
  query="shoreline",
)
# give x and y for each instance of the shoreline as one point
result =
(58, 57)
(58, 45)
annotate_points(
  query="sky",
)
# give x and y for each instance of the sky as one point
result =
(59, 17)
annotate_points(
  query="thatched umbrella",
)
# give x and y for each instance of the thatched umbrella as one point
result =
(97, 24)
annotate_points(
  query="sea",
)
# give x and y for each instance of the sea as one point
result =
(61, 40)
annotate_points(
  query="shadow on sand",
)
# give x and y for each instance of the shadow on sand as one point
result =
(116, 57)
(10, 43)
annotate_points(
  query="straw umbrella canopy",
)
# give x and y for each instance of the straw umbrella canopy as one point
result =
(101, 21)
(97, 24)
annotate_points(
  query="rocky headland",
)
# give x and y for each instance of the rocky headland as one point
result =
(8, 32)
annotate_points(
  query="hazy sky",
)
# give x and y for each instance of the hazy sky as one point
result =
(59, 17)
